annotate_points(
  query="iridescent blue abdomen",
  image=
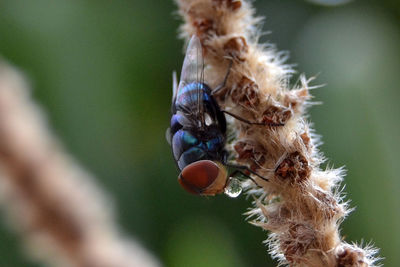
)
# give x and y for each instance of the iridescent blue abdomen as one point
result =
(196, 134)
(187, 148)
(188, 96)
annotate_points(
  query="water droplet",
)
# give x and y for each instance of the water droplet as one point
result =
(234, 187)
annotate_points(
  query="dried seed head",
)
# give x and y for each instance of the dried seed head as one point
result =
(306, 139)
(296, 98)
(237, 48)
(351, 257)
(231, 4)
(328, 204)
(296, 241)
(294, 168)
(251, 154)
(204, 27)
(276, 114)
(244, 150)
(258, 161)
(246, 93)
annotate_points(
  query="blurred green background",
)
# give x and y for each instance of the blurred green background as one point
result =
(102, 72)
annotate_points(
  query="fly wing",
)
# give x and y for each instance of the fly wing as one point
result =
(193, 63)
(174, 85)
(190, 92)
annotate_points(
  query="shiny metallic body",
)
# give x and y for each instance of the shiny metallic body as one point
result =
(198, 127)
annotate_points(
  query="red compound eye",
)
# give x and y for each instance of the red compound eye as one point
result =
(203, 177)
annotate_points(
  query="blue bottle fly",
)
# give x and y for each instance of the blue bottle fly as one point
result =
(197, 133)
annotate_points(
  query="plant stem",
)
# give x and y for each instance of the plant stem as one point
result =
(301, 205)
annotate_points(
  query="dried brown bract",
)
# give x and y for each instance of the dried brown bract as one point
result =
(351, 257)
(236, 48)
(250, 154)
(276, 114)
(297, 239)
(294, 168)
(231, 4)
(246, 93)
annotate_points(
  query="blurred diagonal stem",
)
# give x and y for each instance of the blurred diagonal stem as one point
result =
(61, 213)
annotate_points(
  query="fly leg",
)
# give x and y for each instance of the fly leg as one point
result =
(245, 168)
(236, 172)
(240, 170)
(252, 122)
(222, 85)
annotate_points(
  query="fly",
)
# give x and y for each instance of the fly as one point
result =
(197, 133)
